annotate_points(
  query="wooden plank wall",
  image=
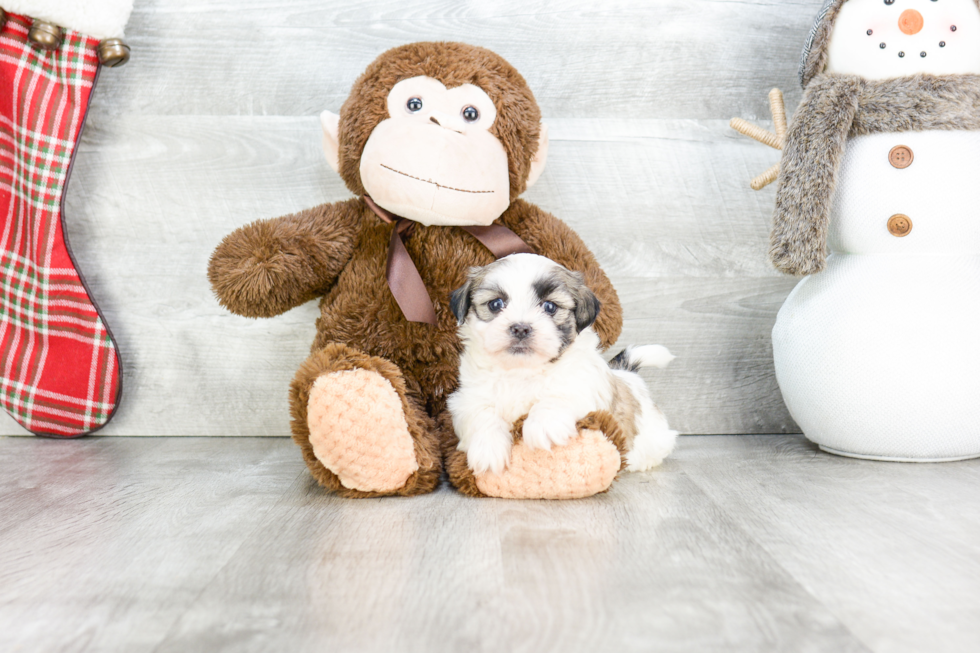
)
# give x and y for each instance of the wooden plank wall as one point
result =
(213, 124)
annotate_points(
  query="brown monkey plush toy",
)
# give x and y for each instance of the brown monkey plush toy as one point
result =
(437, 141)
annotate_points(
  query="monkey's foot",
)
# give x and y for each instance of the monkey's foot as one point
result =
(359, 432)
(587, 465)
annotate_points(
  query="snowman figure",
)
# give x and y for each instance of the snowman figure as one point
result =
(877, 349)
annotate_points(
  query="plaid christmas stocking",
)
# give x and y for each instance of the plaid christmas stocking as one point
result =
(59, 367)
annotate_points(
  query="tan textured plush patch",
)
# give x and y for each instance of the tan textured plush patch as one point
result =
(364, 442)
(590, 463)
(585, 466)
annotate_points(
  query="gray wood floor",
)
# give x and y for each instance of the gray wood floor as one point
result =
(213, 124)
(753, 543)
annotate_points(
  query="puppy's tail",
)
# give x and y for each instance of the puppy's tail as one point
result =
(633, 358)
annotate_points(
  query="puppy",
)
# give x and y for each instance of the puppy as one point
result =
(529, 349)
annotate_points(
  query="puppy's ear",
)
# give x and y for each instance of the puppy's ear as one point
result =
(459, 302)
(586, 311)
(587, 305)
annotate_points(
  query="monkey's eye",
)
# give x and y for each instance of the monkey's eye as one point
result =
(495, 305)
(550, 308)
(470, 114)
(414, 104)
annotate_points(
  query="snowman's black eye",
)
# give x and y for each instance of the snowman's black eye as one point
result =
(901, 54)
(923, 54)
(889, 2)
(882, 46)
(870, 32)
(952, 28)
(942, 44)
(414, 104)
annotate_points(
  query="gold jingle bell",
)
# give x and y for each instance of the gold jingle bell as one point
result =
(113, 52)
(46, 36)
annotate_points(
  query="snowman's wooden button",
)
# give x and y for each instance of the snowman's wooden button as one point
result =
(899, 225)
(901, 156)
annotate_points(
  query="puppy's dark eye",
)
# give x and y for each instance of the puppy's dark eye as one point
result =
(414, 104)
(550, 308)
(495, 305)
(470, 114)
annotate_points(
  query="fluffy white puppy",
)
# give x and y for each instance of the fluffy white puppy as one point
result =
(529, 349)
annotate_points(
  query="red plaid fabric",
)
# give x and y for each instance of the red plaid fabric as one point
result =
(59, 369)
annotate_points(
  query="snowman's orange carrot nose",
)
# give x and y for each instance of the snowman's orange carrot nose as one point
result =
(910, 22)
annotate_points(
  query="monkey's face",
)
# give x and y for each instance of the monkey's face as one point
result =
(434, 160)
(439, 133)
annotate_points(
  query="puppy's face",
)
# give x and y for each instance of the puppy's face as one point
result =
(523, 310)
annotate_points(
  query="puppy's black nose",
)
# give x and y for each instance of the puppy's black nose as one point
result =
(520, 331)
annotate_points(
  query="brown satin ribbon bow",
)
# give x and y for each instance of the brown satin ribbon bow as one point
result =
(403, 277)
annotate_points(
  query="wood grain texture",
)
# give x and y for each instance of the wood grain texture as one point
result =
(179, 151)
(758, 543)
(107, 542)
(884, 545)
(705, 59)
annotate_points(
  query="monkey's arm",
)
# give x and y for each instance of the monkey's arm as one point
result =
(270, 266)
(550, 237)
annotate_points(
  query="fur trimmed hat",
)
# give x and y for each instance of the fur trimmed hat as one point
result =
(814, 58)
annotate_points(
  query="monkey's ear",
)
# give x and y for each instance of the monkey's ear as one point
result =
(540, 157)
(331, 138)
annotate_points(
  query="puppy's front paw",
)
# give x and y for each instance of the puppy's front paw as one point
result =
(489, 451)
(547, 426)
